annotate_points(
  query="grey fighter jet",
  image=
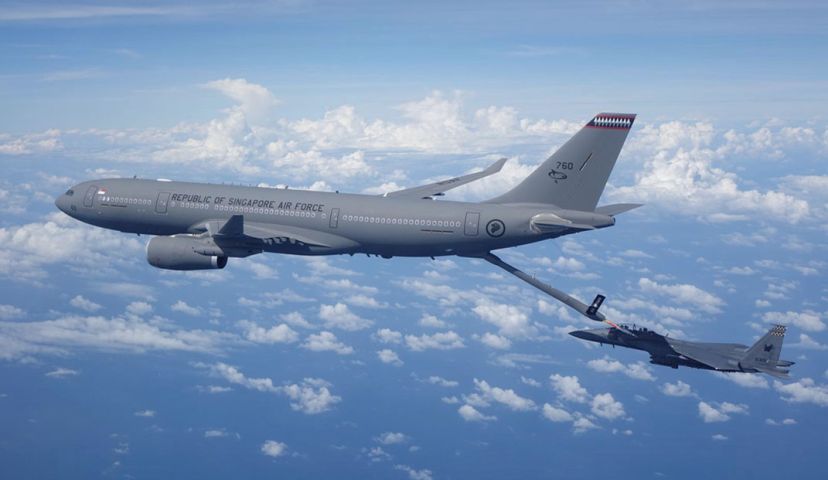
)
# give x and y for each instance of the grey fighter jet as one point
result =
(199, 226)
(762, 357)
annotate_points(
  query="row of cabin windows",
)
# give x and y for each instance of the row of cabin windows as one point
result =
(350, 218)
(237, 209)
(404, 221)
(126, 200)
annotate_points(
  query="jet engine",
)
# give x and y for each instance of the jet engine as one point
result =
(184, 252)
(667, 360)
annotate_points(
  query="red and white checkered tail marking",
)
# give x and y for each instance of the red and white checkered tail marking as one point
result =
(623, 121)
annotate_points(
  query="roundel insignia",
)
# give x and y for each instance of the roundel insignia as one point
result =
(495, 228)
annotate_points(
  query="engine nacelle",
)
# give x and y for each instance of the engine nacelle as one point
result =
(183, 253)
(668, 361)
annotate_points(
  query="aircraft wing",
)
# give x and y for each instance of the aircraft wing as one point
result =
(712, 355)
(438, 188)
(236, 228)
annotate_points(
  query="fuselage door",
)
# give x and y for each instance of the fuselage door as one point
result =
(472, 223)
(334, 217)
(161, 203)
(90, 196)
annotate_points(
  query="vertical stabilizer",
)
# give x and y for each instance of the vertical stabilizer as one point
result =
(574, 176)
(766, 351)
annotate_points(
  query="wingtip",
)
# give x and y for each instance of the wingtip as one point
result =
(497, 166)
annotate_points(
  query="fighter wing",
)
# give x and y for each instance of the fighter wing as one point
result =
(438, 188)
(712, 355)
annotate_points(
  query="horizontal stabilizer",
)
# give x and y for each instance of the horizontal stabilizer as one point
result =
(779, 373)
(438, 188)
(549, 222)
(617, 208)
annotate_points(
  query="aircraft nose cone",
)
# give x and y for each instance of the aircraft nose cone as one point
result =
(62, 203)
(580, 334)
(591, 335)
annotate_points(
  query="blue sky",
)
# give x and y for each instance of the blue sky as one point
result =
(412, 368)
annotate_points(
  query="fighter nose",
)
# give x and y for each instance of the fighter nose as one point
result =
(590, 335)
(580, 334)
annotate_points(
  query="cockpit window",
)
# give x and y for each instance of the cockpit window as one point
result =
(70, 192)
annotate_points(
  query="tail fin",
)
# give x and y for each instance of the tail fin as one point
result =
(765, 352)
(574, 176)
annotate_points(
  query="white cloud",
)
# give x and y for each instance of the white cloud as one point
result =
(274, 449)
(61, 372)
(182, 307)
(530, 381)
(340, 316)
(255, 101)
(495, 341)
(632, 253)
(807, 320)
(139, 309)
(511, 321)
(805, 341)
(803, 391)
(413, 474)
(296, 319)
(389, 356)
(276, 334)
(747, 380)
(637, 370)
(438, 341)
(582, 424)
(311, 396)
(145, 413)
(430, 321)
(392, 438)
(784, 422)
(605, 406)
(360, 300)
(78, 301)
(129, 333)
(678, 389)
(569, 388)
(685, 294)
(326, 342)
(386, 335)
(712, 413)
(471, 414)
(377, 454)
(679, 174)
(215, 433)
(437, 380)
(26, 250)
(555, 414)
(41, 142)
(506, 397)
(719, 437)
(213, 389)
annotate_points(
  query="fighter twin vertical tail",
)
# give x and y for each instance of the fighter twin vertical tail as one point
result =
(574, 176)
(764, 354)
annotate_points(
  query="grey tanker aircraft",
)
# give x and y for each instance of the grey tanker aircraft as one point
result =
(199, 226)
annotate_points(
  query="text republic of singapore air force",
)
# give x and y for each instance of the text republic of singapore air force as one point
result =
(199, 226)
